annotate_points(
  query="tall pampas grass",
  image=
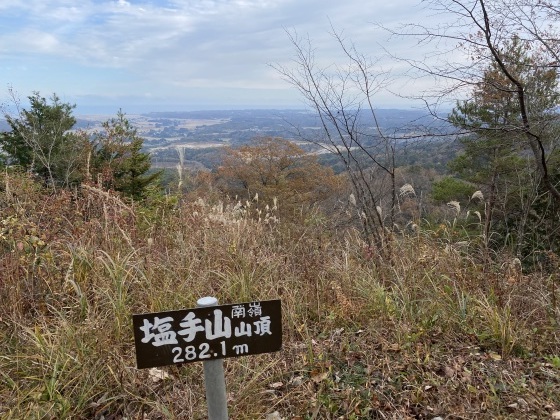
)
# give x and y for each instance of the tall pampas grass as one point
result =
(406, 189)
(478, 196)
(181, 165)
(455, 206)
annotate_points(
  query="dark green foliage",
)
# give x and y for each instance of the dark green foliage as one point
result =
(15, 150)
(496, 156)
(117, 160)
(42, 141)
(489, 161)
(541, 229)
(131, 177)
(449, 188)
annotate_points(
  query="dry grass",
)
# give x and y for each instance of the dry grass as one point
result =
(440, 335)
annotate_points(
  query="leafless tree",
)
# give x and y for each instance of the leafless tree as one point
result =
(343, 100)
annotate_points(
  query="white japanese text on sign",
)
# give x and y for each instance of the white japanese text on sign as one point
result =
(206, 333)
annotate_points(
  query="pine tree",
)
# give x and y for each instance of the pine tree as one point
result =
(495, 154)
(118, 162)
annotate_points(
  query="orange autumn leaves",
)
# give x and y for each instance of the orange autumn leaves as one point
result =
(274, 170)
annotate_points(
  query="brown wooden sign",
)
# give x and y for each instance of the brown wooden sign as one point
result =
(199, 334)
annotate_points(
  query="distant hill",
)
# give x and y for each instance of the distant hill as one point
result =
(203, 133)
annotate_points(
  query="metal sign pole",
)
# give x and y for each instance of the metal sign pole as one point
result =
(214, 378)
(208, 333)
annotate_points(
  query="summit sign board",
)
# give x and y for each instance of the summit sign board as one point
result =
(202, 334)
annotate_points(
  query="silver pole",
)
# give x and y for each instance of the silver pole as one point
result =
(214, 379)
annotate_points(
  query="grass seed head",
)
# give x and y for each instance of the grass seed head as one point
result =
(455, 206)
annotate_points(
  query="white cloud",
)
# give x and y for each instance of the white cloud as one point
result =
(166, 46)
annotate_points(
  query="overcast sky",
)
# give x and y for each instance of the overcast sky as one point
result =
(148, 55)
